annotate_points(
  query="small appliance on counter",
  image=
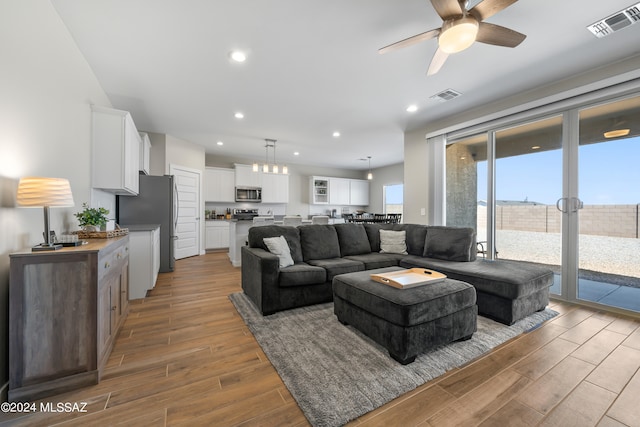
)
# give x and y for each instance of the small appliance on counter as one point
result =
(245, 214)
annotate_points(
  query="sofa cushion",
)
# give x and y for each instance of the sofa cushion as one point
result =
(450, 243)
(416, 235)
(279, 247)
(319, 242)
(291, 235)
(377, 260)
(393, 242)
(302, 274)
(337, 266)
(353, 239)
(507, 279)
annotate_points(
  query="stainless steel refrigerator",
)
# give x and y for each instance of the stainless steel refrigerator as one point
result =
(155, 204)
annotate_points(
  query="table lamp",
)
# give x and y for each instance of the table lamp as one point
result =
(44, 192)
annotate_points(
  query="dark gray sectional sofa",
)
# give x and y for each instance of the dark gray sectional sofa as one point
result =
(506, 291)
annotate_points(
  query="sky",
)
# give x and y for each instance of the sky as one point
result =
(609, 173)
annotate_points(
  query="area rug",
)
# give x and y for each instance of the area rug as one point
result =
(336, 374)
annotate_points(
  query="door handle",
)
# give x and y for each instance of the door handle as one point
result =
(575, 204)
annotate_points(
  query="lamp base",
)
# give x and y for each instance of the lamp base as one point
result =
(45, 247)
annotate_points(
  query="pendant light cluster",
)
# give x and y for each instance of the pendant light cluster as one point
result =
(270, 143)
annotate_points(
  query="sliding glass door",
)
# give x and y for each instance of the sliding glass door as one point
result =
(561, 191)
(608, 215)
(528, 181)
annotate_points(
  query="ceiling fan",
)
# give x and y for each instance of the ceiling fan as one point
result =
(461, 28)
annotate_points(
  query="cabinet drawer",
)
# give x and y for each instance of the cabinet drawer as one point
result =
(113, 261)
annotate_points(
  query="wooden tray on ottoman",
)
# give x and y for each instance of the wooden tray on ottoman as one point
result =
(410, 278)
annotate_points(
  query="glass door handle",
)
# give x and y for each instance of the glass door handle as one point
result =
(575, 204)
(561, 200)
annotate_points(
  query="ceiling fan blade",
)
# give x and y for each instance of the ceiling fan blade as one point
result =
(488, 8)
(447, 8)
(499, 36)
(411, 40)
(437, 62)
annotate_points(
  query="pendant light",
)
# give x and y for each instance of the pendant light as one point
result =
(369, 175)
(270, 143)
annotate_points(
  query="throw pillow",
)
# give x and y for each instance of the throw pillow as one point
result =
(278, 246)
(393, 242)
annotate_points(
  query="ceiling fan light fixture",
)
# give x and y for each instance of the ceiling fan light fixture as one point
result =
(458, 34)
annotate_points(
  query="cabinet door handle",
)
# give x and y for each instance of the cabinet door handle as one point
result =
(113, 308)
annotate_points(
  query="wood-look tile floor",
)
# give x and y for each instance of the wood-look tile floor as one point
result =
(185, 358)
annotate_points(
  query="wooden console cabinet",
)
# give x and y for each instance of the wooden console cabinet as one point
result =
(65, 310)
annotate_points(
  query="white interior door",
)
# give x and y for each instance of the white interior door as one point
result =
(187, 221)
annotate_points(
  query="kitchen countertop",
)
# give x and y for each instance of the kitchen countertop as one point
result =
(140, 227)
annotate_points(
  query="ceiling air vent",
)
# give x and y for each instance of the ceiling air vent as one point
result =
(616, 22)
(446, 95)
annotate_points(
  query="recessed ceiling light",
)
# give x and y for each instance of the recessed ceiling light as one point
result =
(239, 115)
(535, 147)
(296, 153)
(336, 134)
(220, 143)
(617, 133)
(412, 108)
(238, 56)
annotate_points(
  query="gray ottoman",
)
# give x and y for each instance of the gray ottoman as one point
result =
(406, 322)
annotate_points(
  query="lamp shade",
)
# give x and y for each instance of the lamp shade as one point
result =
(47, 192)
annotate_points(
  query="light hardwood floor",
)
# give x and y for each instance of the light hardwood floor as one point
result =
(185, 358)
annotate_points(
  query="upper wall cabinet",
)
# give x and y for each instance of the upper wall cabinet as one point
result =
(358, 192)
(219, 185)
(246, 177)
(116, 151)
(339, 191)
(319, 190)
(145, 152)
(275, 188)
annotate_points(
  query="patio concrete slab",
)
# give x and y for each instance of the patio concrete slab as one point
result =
(595, 291)
(624, 297)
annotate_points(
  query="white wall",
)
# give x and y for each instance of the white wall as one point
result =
(388, 175)
(183, 153)
(46, 90)
(416, 178)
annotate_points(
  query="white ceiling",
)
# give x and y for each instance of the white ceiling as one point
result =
(313, 68)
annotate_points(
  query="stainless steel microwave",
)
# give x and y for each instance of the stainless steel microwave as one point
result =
(248, 194)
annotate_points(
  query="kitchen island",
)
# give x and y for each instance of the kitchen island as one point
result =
(238, 235)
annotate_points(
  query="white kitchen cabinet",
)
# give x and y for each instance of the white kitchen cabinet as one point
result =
(145, 152)
(216, 234)
(219, 185)
(359, 192)
(144, 253)
(339, 191)
(275, 188)
(319, 191)
(115, 151)
(246, 177)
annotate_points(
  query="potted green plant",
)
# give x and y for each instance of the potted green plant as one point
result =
(92, 219)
